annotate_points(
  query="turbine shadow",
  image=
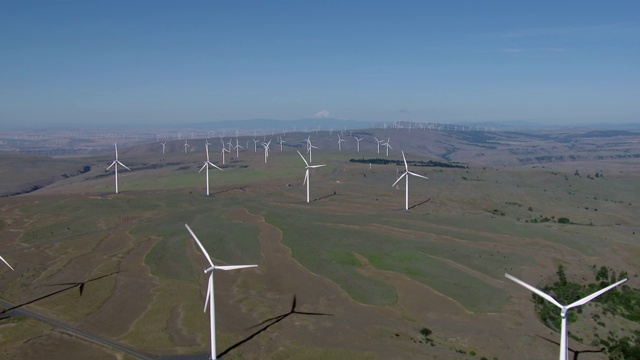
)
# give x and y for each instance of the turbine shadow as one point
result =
(575, 352)
(227, 190)
(269, 323)
(5, 313)
(80, 285)
(420, 203)
(324, 197)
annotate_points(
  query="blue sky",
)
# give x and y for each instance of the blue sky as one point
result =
(172, 62)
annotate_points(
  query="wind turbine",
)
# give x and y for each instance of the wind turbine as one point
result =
(5, 261)
(237, 147)
(230, 145)
(266, 150)
(281, 141)
(186, 145)
(564, 308)
(255, 145)
(224, 150)
(309, 147)
(406, 176)
(358, 140)
(378, 141)
(306, 173)
(210, 293)
(340, 141)
(206, 166)
(117, 162)
(164, 144)
(387, 146)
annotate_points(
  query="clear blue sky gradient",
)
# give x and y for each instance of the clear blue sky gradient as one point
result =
(172, 62)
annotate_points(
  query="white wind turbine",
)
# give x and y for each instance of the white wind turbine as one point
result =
(210, 293)
(564, 308)
(266, 150)
(358, 140)
(206, 166)
(387, 146)
(406, 176)
(5, 261)
(186, 145)
(224, 150)
(340, 141)
(230, 145)
(281, 142)
(378, 141)
(237, 147)
(164, 144)
(309, 148)
(255, 145)
(117, 162)
(306, 173)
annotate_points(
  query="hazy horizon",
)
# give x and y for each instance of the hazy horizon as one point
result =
(164, 63)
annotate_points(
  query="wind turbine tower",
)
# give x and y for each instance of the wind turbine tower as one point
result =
(564, 308)
(306, 173)
(340, 141)
(210, 300)
(238, 147)
(387, 146)
(358, 140)
(206, 166)
(378, 141)
(406, 176)
(117, 162)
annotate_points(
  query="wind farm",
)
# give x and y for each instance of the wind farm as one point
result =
(516, 150)
(343, 249)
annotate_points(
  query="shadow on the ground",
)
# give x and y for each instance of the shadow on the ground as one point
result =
(420, 203)
(4, 314)
(270, 322)
(575, 352)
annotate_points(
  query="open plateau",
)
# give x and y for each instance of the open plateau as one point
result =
(351, 264)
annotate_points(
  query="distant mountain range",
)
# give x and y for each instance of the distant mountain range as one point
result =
(327, 123)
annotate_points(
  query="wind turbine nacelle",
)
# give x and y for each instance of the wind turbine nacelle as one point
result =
(209, 269)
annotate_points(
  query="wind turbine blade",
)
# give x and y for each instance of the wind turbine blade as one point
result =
(214, 165)
(418, 175)
(116, 146)
(303, 159)
(5, 261)
(202, 168)
(306, 176)
(113, 163)
(316, 166)
(400, 178)
(595, 295)
(405, 161)
(539, 292)
(123, 165)
(206, 301)
(234, 267)
(199, 244)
